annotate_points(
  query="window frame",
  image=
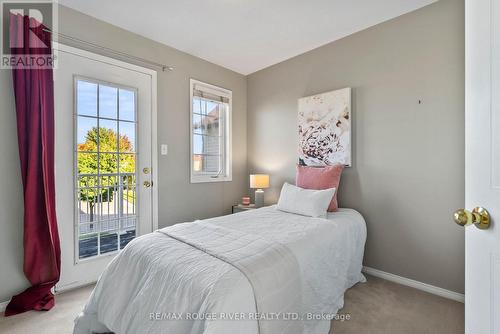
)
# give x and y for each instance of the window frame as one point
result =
(227, 151)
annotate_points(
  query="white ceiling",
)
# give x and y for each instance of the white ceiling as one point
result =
(245, 35)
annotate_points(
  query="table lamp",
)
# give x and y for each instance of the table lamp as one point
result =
(259, 182)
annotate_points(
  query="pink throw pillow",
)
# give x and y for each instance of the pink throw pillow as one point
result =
(320, 178)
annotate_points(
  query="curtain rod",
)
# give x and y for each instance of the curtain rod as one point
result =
(119, 53)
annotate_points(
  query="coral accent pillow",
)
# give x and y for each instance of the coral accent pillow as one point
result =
(320, 178)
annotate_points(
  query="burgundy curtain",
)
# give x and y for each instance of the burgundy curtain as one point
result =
(34, 95)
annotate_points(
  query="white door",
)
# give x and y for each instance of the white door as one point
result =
(103, 160)
(482, 125)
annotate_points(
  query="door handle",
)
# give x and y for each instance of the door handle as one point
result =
(148, 184)
(479, 216)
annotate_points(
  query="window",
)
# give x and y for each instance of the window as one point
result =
(210, 133)
(105, 165)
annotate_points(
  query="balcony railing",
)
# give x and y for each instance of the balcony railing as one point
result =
(107, 207)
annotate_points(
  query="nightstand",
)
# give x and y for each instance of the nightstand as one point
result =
(241, 208)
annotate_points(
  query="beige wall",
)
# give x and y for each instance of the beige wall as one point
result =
(408, 174)
(179, 200)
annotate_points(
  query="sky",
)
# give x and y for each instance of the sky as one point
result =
(109, 100)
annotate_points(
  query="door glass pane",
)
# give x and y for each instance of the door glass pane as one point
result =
(87, 134)
(87, 211)
(127, 236)
(127, 164)
(128, 201)
(108, 101)
(107, 204)
(106, 168)
(127, 228)
(108, 163)
(109, 241)
(86, 97)
(127, 105)
(86, 168)
(127, 137)
(87, 243)
(108, 138)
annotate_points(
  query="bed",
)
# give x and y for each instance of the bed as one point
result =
(219, 275)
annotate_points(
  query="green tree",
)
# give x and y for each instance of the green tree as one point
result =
(103, 140)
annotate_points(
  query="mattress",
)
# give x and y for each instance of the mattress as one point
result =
(156, 281)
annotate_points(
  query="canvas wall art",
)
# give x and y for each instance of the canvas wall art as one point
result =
(324, 123)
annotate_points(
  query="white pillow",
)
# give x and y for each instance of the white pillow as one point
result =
(306, 202)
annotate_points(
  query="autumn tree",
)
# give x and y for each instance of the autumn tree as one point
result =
(108, 143)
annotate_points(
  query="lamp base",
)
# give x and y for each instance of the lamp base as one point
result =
(259, 198)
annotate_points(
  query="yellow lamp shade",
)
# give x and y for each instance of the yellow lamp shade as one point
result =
(259, 181)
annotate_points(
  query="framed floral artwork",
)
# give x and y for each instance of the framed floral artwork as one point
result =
(324, 126)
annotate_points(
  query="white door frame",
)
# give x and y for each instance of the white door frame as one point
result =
(154, 118)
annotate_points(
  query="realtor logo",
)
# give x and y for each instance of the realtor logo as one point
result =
(26, 34)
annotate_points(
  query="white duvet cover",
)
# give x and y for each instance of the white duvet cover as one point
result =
(159, 284)
(270, 268)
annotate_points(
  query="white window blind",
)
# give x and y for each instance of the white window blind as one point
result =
(210, 133)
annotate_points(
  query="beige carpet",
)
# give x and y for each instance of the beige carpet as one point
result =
(377, 306)
(381, 307)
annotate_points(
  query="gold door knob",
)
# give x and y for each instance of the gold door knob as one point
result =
(147, 184)
(479, 217)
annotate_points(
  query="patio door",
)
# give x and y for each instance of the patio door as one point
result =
(104, 172)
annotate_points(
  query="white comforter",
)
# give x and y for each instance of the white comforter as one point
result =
(157, 280)
(270, 268)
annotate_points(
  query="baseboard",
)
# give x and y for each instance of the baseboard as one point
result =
(3, 306)
(415, 284)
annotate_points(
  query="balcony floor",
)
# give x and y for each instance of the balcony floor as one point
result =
(109, 243)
